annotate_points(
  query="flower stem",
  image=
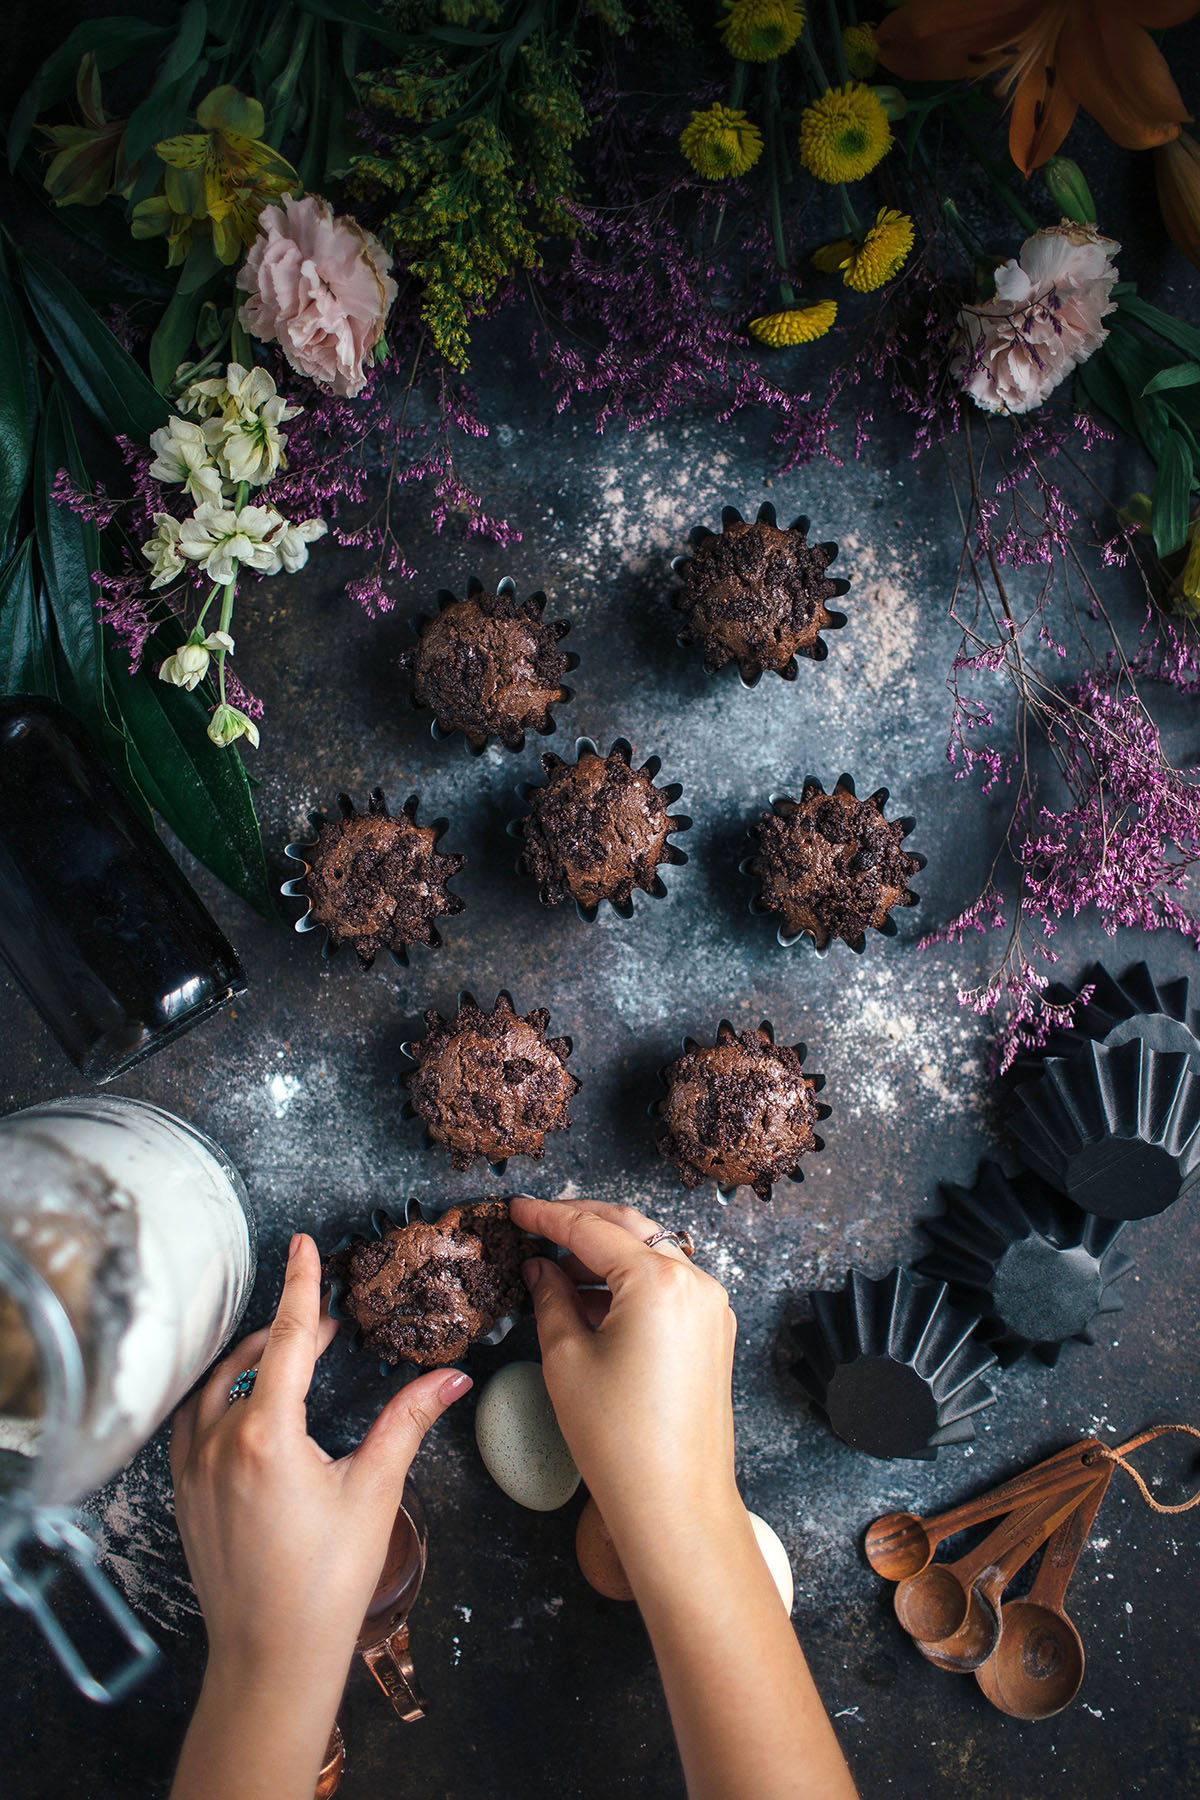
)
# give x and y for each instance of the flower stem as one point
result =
(227, 600)
(809, 52)
(839, 53)
(850, 220)
(1001, 188)
(737, 87)
(777, 231)
(211, 596)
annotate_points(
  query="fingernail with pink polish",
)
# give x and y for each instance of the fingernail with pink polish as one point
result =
(454, 1388)
(532, 1272)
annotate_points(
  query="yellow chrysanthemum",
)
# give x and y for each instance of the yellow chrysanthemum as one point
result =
(761, 30)
(882, 253)
(796, 325)
(844, 133)
(829, 258)
(861, 50)
(721, 141)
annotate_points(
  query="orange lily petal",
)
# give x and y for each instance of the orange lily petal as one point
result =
(1043, 111)
(1119, 75)
(1159, 14)
(953, 40)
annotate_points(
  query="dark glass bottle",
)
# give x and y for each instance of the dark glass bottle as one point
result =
(97, 923)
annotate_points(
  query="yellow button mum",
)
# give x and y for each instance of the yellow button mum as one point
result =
(761, 30)
(882, 253)
(797, 325)
(861, 50)
(721, 141)
(844, 134)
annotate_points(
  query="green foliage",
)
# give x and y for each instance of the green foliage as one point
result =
(51, 640)
(479, 122)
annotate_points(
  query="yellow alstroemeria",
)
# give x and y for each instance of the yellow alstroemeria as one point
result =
(216, 180)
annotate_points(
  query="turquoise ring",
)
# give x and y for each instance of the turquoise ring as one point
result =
(243, 1387)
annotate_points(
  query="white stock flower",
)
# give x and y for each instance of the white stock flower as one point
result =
(163, 551)
(228, 723)
(222, 538)
(188, 666)
(184, 456)
(291, 545)
(1044, 320)
(242, 414)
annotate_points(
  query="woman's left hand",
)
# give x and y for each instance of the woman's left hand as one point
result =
(285, 1544)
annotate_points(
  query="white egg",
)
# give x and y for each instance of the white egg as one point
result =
(776, 1559)
(522, 1447)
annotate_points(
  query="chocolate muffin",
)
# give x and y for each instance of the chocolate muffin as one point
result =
(599, 828)
(756, 595)
(376, 882)
(491, 1084)
(424, 1293)
(489, 665)
(741, 1113)
(831, 865)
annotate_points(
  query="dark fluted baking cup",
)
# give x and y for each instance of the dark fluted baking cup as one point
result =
(672, 855)
(474, 743)
(1036, 1269)
(818, 650)
(764, 1191)
(1116, 1130)
(296, 888)
(409, 1111)
(895, 1369)
(381, 1222)
(1119, 1009)
(782, 805)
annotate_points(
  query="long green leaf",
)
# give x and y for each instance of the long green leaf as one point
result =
(165, 108)
(358, 15)
(102, 372)
(106, 229)
(1177, 376)
(201, 791)
(170, 343)
(111, 41)
(18, 411)
(69, 554)
(26, 663)
(1172, 496)
(1184, 337)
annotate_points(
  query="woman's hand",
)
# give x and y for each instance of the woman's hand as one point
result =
(285, 1545)
(639, 1375)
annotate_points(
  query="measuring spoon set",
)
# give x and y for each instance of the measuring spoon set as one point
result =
(1026, 1655)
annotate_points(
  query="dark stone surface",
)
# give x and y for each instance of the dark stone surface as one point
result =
(538, 1688)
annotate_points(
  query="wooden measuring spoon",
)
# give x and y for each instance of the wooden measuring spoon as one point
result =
(975, 1640)
(900, 1544)
(1037, 1668)
(934, 1604)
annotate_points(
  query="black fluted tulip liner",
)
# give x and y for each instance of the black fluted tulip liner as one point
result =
(1119, 1009)
(895, 1368)
(1116, 1130)
(1034, 1267)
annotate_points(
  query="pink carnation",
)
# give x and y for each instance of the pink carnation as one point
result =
(320, 287)
(1043, 321)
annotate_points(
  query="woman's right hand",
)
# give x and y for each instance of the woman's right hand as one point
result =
(639, 1376)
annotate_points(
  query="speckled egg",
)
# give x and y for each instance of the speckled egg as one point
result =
(776, 1559)
(599, 1563)
(522, 1447)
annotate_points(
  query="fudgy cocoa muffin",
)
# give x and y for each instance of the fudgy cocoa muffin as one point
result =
(831, 864)
(423, 1293)
(489, 665)
(756, 595)
(741, 1112)
(491, 1084)
(599, 828)
(378, 882)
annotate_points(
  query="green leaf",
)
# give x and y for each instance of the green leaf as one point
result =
(202, 792)
(358, 15)
(1172, 496)
(173, 338)
(69, 554)
(104, 228)
(26, 661)
(1177, 376)
(1174, 330)
(110, 41)
(165, 108)
(103, 374)
(18, 411)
